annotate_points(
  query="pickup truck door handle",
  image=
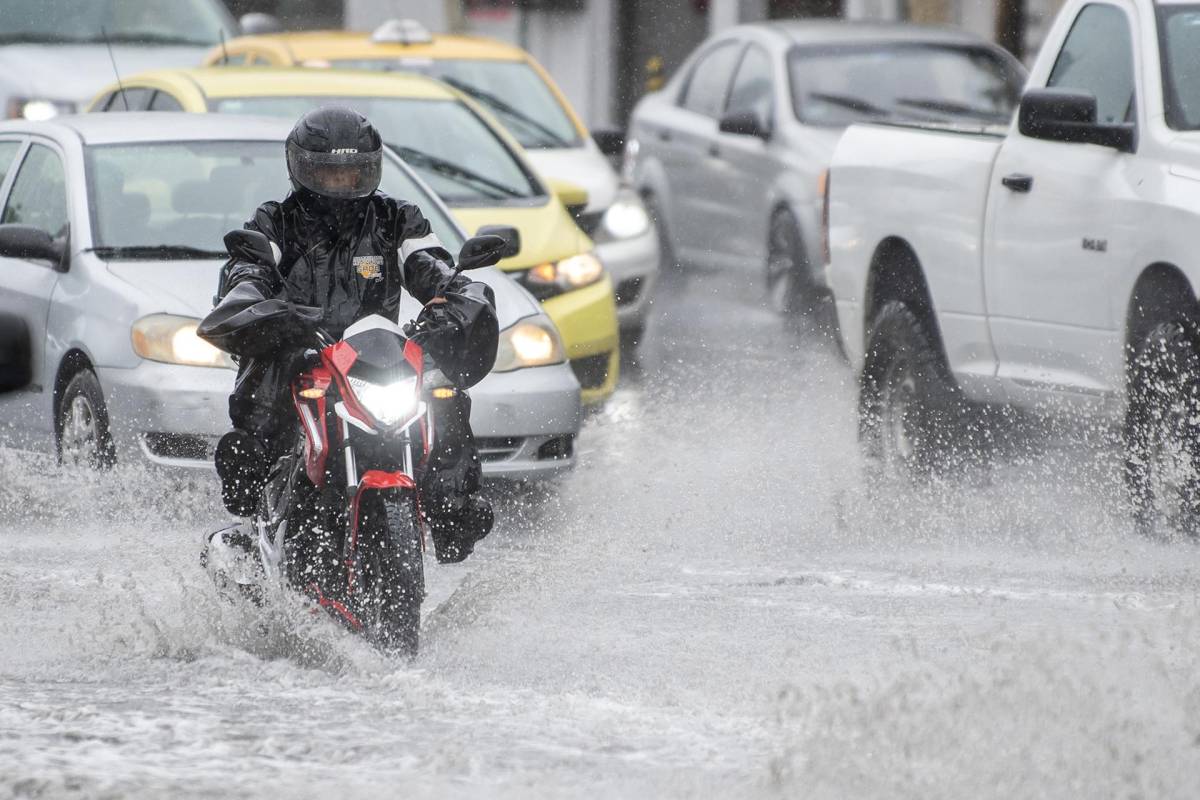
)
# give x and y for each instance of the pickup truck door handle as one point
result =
(1018, 182)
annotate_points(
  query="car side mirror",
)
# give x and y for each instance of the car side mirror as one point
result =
(510, 235)
(251, 246)
(571, 195)
(1061, 115)
(26, 241)
(256, 23)
(610, 142)
(15, 353)
(481, 251)
(744, 123)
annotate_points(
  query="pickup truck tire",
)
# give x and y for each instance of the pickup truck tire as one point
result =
(911, 417)
(1162, 430)
(789, 290)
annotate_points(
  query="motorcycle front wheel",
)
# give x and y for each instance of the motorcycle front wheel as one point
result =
(392, 578)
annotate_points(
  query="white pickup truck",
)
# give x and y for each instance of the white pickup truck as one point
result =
(1054, 263)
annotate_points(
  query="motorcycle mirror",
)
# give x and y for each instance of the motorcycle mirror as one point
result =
(252, 246)
(481, 251)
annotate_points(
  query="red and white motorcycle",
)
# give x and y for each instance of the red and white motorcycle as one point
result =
(339, 517)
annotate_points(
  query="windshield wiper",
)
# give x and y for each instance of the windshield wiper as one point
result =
(852, 103)
(40, 38)
(949, 107)
(548, 137)
(448, 169)
(150, 37)
(166, 252)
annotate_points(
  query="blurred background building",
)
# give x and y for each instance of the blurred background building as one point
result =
(605, 54)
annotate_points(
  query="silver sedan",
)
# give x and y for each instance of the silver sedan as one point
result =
(110, 237)
(730, 153)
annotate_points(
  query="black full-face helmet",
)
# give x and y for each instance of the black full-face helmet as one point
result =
(335, 154)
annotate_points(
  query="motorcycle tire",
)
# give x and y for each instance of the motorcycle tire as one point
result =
(393, 573)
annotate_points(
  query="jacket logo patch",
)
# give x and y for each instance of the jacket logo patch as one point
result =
(368, 267)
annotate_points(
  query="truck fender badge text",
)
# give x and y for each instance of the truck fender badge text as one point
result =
(1096, 245)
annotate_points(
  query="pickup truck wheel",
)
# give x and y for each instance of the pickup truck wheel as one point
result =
(82, 435)
(1162, 431)
(910, 415)
(788, 287)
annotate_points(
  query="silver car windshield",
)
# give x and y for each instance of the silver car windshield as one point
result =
(179, 199)
(451, 148)
(182, 22)
(1179, 32)
(512, 90)
(837, 86)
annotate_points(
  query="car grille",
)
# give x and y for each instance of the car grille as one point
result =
(180, 445)
(498, 449)
(590, 222)
(556, 449)
(591, 371)
(628, 291)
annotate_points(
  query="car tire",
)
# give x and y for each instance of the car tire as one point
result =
(667, 261)
(789, 286)
(81, 428)
(1162, 430)
(911, 415)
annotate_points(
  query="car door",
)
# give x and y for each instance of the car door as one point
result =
(35, 195)
(1059, 218)
(743, 166)
(693, 171)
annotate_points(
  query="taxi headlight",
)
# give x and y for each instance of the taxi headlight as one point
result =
(388, 404)
(529, 343)
(627, 217)
(37, 109)
(173, 340)
(573, 272)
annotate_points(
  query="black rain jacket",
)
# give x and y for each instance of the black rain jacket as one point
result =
(333, 271)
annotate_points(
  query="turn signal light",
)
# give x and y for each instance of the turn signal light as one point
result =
(444, 393)
(312, 393)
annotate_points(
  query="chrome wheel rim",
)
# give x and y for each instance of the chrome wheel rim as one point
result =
(898, 408)
(781, 268)
(80, 433)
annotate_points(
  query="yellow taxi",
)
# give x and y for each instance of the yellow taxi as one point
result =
(510, 84)
(476, 167)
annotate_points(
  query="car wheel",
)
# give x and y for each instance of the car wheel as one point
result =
(910, 413)
(82, 426)
(666, 253)
(789, 287)
(1162, 430)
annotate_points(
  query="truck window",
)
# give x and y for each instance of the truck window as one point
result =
(706, 88)
(752, 86)
(1179, 32)
(1097, 57)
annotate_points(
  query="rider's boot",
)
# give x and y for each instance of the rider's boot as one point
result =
(241, 462)
(455, 532)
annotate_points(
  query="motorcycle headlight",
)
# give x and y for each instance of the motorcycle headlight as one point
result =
(389, 404)
(173, 340)
(626, 218)
(37, 108)
(575, 272)
(529, 343)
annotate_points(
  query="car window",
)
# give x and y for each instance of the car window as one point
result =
(132, 99)
(1097, 57)
(8, 151)
(753, 87)
(39, 193)
(102, 102)
(707, 85)
(164, 102)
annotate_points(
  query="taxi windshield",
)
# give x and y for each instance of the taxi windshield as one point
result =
(449, 146)
(179, 199)
(512, 90)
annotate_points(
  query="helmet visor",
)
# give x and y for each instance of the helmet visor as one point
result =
(344, 176)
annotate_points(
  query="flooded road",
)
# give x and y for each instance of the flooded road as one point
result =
(712, 604)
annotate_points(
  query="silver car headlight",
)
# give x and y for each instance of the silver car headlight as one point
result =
(388, 404)
(173, 340)
(37, 109)
(626, 217)
(529, 343)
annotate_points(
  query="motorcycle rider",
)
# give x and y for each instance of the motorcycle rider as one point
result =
(342, 250)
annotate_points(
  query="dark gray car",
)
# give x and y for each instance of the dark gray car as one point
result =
(730, 154)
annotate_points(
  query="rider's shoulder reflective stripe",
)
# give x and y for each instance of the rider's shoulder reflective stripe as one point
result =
(426, 242)
(275, 251)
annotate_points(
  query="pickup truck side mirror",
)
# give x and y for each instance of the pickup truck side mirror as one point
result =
(26, 241)
(1061, 115)
(744, 123)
